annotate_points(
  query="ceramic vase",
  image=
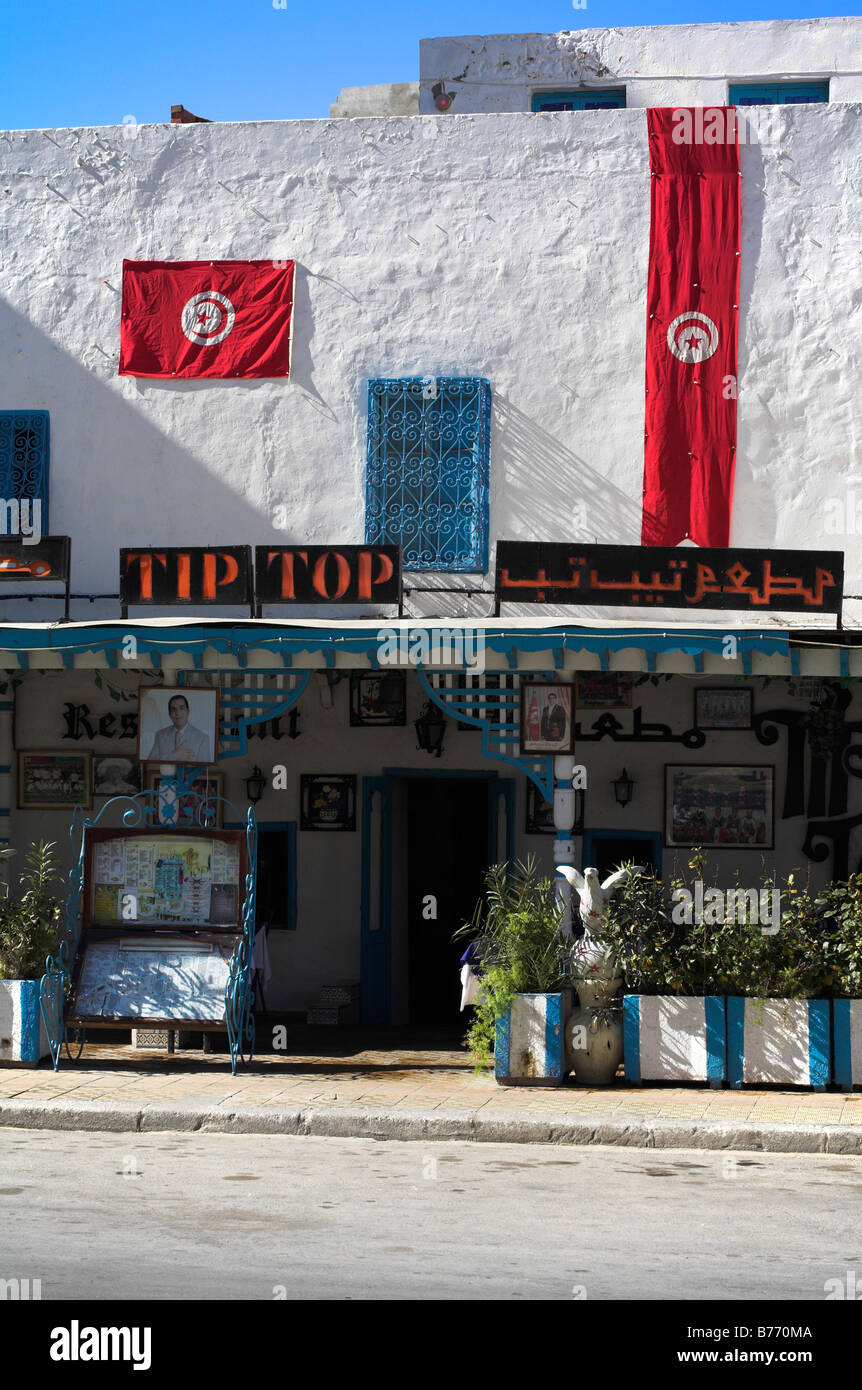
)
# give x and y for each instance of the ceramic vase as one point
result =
(594, 1032)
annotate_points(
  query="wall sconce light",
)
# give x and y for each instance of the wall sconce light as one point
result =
(442, 99)
(623, 786)
(430, 728)
(254, 785)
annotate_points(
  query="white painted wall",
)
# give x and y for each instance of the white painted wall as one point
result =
(325, 947)
(661, 65)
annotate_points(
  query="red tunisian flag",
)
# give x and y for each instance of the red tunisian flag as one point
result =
(692, 318)
(206, 318)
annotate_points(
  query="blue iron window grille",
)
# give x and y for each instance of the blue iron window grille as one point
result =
(427, 477)
(595, 99)
(776, 93)
(24, 449)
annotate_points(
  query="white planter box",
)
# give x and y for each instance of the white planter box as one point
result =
(674, 1038)
(23, 1040)
(778, 1042)
(847, 1044)
(529, 1042)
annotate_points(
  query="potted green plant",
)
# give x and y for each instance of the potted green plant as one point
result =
(520, 1014)
(840, 905)
(29, 919)
(673, 1015)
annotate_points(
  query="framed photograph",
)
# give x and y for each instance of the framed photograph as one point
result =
(540, 813)
(47, 780)
(603, 690)
(723, 707)
(114, 775)
(378, 699)
(547, 725)
(177, 724)
(206, 785)
(327, 802)
(719, 807)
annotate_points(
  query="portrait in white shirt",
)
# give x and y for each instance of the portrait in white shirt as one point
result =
(178, 725)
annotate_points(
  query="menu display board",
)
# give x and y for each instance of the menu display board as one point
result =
(164, 879)
(165, 979)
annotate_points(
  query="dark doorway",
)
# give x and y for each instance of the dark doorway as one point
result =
(612, 850)
(447, 853)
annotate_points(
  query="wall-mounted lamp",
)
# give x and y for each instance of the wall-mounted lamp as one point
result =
(430, 728)
(442, 99)
(623, 786)
(254, 785)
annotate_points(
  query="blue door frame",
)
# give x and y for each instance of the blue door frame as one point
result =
(653, 837)
(375, 952)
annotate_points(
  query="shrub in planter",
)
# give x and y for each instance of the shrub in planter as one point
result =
(841, 908)
(28, 933)
(519, 1019)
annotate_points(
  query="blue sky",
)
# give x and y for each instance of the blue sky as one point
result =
(93, 62)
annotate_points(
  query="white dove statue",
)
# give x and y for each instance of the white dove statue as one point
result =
(590, 953)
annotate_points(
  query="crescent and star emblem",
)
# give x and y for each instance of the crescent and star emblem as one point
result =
(692, 337)
(208, 317)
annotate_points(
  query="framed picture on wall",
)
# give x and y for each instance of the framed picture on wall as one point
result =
(115, 775)
(327, 802)
(47, 780)
(719, 807)
(540, 813)
(547, 725)
(208, 784)
(177, 724)
(603, 690)
(378, 699)
(723, 707)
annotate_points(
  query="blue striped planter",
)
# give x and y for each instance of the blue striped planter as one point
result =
(23, 1040)
(530, 1041)
(782, 1042)
(674, 1038)
(847, 1041)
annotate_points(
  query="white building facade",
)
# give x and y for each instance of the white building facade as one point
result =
(500, 253)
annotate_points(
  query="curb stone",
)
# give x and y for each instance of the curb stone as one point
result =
(488, 1127)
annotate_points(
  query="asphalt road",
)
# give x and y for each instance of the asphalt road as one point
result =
(258, 1217)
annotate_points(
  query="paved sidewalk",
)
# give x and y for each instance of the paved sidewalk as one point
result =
(409, 1093)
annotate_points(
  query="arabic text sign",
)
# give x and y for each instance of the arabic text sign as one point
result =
(49, 560)
(670, 577)
(196, 574)
(328, 574)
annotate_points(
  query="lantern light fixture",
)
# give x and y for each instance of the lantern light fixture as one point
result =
(430, 728)
(254, 785)
(623, 787)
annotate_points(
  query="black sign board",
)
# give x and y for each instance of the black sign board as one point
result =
(193, 575)
(679, 577)
(328, 574)
(48, 559)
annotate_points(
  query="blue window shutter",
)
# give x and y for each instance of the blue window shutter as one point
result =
(776, 93)
(24, 453)
(593, 99)
(427, 473)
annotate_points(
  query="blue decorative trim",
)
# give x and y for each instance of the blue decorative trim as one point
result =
(652, 836)
(844, 657)
(427, 471)
(28, 1004)
(586, 99)
(375, 946)
(554, 1034)
(7, 704)
(502, 1033)
(714, 1014)
(776, 93)
(735, 1006)
(632, 1036)
(818, 1042)
(841, 1043)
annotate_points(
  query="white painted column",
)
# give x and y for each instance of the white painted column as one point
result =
(564, 820)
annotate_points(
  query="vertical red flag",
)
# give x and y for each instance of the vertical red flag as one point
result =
(692, 318)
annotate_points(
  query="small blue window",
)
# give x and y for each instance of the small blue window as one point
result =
(776, 93)
(594, 99)
(427, 479)
(24, 449)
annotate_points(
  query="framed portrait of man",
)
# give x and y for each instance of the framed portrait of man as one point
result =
(547, 725)
(177, 724)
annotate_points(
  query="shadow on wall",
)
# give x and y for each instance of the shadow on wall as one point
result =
(116, 478)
